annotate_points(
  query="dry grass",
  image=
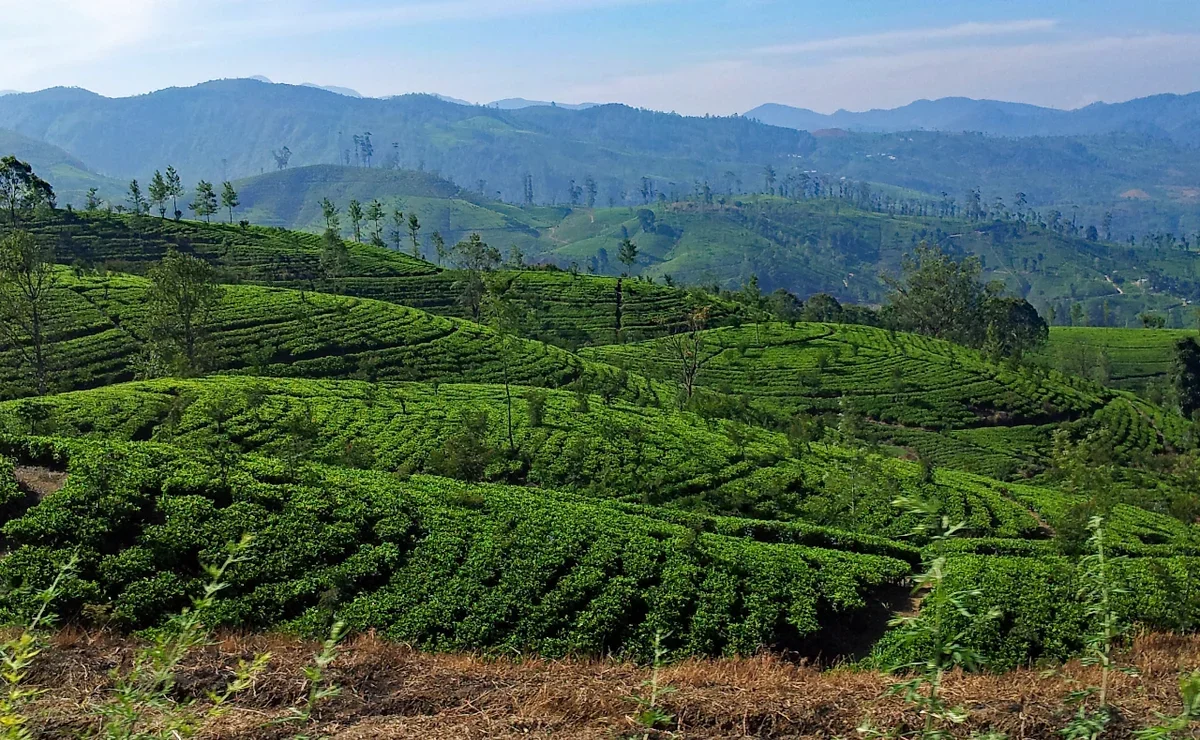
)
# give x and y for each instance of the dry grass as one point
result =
(391, 691)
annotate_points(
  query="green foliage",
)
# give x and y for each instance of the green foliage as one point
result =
(17, 654)
(182, 294)
(513, 569)
(27, 280)
(942, 646)
(142, 705)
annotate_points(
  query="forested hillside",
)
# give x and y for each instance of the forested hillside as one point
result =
(1138, 166)
(836, 238)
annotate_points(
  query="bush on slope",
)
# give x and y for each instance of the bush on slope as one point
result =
(440, 564)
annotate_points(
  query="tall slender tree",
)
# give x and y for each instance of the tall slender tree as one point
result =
(229, 198)
(414, 233)
(175, 188)
(396, 234)
(375, 215)
(355, 212)
(205, 204)
(137, 201)
(27, 276)
(159, 191)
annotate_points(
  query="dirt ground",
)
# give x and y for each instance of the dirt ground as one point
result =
(390, 691)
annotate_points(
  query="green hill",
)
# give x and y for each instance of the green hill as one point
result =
(126, 243)
(946, 402)
(98, 329)
(828, 245)
(806, 246)
(70, 177)
(430, 479)
(1124, 358)
(564, 308)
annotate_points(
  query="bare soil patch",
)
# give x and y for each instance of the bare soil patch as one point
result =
(38, 480)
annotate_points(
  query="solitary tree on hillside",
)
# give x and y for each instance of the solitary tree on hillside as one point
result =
(335, 256)
(375, 216)
(159, 191)
(26, 278)
(414, 233)
(396, 233)
(439, 247)
(175, 188)
(92, 202)
(137, 201)
(229, 198)
(502, 306)
(474, 257)
(627, 253)
(688, 351)
(355, 212)
(329, 212)
(769, 178)
(21, 190)
(205, 204)
(183, 292)
(282, 157)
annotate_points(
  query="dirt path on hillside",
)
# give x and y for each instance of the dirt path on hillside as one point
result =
(38, 480)
(390, 691)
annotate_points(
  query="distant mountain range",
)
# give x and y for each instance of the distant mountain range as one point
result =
(519, 103)
(1168, 116)
(1140, 159)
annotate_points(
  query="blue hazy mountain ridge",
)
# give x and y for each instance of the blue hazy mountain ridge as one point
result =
(1170, 115)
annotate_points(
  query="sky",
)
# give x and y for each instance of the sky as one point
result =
(689, 56)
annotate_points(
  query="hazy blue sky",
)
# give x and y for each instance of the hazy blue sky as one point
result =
(692, 56)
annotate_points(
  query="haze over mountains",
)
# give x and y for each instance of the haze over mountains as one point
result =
(1138, 160)
(1173, 116)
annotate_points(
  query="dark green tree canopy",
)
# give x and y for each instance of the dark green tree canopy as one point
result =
(21, 190)
(942, 297)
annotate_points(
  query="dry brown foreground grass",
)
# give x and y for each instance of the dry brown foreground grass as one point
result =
(390, 691)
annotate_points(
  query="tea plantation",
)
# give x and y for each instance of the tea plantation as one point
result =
(565, 308)
(98, 328)
(458, 487)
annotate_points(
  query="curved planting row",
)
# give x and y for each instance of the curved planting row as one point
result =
(132, 243)
(434, 562)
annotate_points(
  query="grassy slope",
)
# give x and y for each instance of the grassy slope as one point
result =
(70, 177)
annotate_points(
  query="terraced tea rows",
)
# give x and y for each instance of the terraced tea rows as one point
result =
(638, 455)
(563, 308)
(436, 563)
(1124, 358)
(132, 243)
(100, 326)
(892, 378)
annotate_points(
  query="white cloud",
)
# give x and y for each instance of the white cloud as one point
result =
(895, 39)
